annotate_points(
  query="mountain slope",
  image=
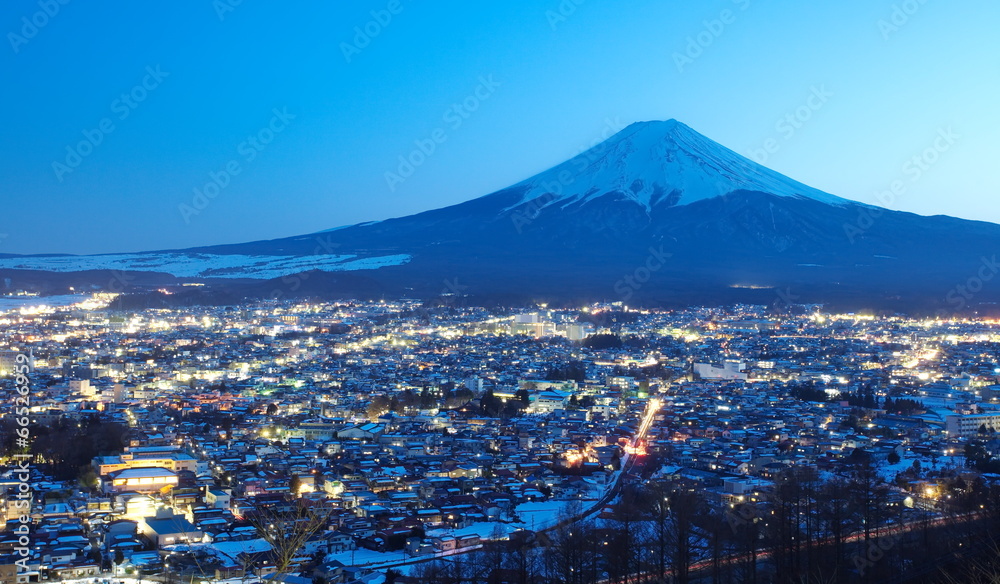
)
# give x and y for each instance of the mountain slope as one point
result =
(656, 214)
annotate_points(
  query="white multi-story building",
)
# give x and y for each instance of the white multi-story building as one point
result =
(729, 370)
(970, 424)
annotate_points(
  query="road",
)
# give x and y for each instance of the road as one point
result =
(652, 407)
(628, 462)
(764, 554)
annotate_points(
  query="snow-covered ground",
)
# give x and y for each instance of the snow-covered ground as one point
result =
(542, 515)
(232, 549)
(203, 265)
(366, 557)
(15, 302)
(537, 516)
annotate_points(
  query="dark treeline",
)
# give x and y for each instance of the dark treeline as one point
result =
(863, 398)
(65, 449)
(849, 527)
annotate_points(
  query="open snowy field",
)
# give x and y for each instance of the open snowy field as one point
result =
(203, 265)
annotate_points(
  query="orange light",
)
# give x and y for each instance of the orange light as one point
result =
(639, 450)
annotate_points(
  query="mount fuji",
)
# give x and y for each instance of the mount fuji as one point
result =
(657, 214)
(661, 164)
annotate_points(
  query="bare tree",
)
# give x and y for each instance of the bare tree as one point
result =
(869, 495)
(570, 557)
(983, 568)
(685, 507)
(836, 522)
(288, 527)
(783, 526)
(658, 500)
(624, 549)
(747, 526)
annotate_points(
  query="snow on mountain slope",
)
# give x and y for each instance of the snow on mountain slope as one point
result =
(660, 163)
(203, 265)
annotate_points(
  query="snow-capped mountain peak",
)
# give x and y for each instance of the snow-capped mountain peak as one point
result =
(660, 163)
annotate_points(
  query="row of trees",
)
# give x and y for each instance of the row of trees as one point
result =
(863, 398)
(410, 400)
(67, 447)
(849, 528)
(489, 404)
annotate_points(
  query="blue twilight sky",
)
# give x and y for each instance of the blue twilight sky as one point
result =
(201, 77)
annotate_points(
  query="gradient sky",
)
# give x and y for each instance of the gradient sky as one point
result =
(569, 73)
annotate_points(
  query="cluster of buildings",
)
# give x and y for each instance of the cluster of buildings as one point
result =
(416, 431)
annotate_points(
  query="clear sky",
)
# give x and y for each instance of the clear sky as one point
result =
(168, 97)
